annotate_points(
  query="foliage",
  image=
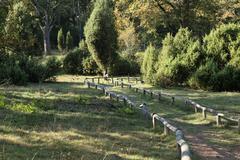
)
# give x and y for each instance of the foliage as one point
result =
(179, 58)
(53, 67)
(69, 41)
(19, 27)
(72, 63)
(148, 68)
(60, 39)
(89, 66)
(222, 46)
(125, 66)
(101, 36)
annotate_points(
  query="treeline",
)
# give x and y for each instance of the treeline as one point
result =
(210, 64)
(169, 42)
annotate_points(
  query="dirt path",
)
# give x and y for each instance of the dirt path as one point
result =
(209, 152)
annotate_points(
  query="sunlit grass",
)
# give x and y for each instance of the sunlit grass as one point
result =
(72, 122)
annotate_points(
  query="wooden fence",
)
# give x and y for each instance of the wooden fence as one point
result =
(158, 95)
(182, 146)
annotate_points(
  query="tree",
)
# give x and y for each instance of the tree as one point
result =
(19, 28)
(46, 12)
(149, 63)
(69, 41)
(60, 40)
(101, 36)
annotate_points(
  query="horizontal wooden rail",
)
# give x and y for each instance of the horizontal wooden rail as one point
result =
(196, 106)
(182, 146)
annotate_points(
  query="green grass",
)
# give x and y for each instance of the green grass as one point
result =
(67, 121)
(184, 117)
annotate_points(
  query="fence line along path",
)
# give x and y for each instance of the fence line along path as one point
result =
(182, 146)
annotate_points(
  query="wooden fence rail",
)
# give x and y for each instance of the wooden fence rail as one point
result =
(219, 116)
(182, 146)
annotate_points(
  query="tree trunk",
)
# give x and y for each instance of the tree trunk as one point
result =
(46, 40)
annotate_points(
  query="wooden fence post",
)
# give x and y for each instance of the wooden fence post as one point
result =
(128, 79)
(136, 80)
(110, 96)
(151, 94)
(136, 89)
(178, 150)
(103, 90)
(173, 100)
(122, 84)
(218, 120)
(144, 92)
(153, 121)
(166, 130)
(117, 99)
(93, 80)
(125, 101)
(159, 96)
(130, 86)
(98, 80)
(204, 113)
(96, 86)
(112, 81)
(196, 110)
(88, 84)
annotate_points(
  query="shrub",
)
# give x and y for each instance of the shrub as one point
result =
(60, 40)
(69, 41)
(205, 77)
(222, 73)
(89, 66)
(148, 68)
(72, 63)
(125, 66)
(17, 76)
(53, 67)
(179, 58)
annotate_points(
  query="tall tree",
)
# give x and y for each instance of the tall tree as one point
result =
(101, 36)
(46, 11)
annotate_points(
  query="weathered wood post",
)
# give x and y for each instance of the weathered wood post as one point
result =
(96, 86)
(124, 101)
(173, 100)
(151, 94)
(144, 92)
(110, 96)
(218, 119)
(204, 112)
(93, 80)
(103, 90)
(122, 84)
(136, 80)
(154, 120)
(88, 83)
(166, 130)
(196, 109)
(112, 80)
(159, 96)
(130, 86)
(128, 79)
(136, 89)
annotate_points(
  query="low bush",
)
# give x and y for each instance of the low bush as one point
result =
(72, 63)
(53, 67)
(89, 66)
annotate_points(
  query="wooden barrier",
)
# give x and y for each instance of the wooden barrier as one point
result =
(183, 147)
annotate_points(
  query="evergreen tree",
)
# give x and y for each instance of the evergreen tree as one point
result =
(101, 36)
(149, 64)
(69, 41)
(60, 40)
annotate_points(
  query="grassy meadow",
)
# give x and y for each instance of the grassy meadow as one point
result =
(66, 121)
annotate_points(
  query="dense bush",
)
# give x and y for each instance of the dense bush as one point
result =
(20, 69)
(60, 40)
(222, 73)
(89, 66)
(148, 67)
(179, 58)
(72, 63)
(125, 66)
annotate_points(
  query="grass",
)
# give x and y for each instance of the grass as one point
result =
(67, 121)
(184, 117)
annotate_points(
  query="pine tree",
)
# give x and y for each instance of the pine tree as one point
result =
(69, 41)
(101, 36)
(60, 40)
